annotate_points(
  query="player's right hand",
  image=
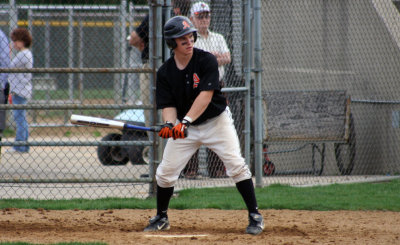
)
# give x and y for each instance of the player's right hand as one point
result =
(166, 130)
(180, 130)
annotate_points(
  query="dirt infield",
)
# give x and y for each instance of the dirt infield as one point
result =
(200, 227)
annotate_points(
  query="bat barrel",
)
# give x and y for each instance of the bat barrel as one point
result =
(107, 123)
(96, 122)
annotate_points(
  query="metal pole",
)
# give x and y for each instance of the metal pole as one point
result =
(123, 44)
(70, 59)
(152, 26)
(117, 63)
(257, 92)
(167, 17)
(71, 53)
(30, 28)
(157, 63)
(247, 77)
(80, 60)
(13, 16)
(30, 21)
(47, 45)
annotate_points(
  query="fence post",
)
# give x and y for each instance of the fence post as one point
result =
(13, 16)
(257, 92)
(155, 39)
(247, 77)
(70, 59)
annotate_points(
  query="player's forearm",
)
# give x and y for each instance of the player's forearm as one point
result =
(169, 114)
(200, 104)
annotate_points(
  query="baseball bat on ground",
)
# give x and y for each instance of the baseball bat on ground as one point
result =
(107, 123)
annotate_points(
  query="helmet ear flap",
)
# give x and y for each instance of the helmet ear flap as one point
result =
(171, 43)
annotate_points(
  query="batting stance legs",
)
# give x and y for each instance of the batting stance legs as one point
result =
(219, 135)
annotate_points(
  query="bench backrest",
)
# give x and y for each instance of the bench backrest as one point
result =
(306, 115)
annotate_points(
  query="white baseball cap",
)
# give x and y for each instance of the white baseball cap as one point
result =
(199, 7)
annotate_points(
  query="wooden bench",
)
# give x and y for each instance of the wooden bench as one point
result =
(313, 118)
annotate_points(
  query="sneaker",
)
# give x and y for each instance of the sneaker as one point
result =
(158, 223)
(256, 224)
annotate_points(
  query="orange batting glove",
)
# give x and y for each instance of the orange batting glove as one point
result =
(180, 130)
(166, 130)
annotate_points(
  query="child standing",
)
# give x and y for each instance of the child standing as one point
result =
(20, 84)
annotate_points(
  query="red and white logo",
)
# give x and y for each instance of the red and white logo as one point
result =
(185, 24)
(196, 80)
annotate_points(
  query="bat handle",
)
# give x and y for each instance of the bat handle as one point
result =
(136, 127)
(155, 128)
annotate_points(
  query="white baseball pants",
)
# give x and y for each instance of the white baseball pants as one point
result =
(219, 135)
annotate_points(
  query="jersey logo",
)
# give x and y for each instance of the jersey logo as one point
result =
(196, 80)
(185, 24)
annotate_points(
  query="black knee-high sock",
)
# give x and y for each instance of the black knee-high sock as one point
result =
(163, 197)
(246, 189)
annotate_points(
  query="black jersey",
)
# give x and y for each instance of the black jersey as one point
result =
(179, 88)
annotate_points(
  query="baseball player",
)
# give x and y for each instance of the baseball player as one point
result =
(195, 113)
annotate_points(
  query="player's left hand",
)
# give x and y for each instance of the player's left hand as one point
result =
(180, 130)
(166, 130)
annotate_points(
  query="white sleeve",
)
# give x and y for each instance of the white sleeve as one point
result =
(222, 46)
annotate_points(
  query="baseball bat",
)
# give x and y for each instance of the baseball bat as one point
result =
(107, 123)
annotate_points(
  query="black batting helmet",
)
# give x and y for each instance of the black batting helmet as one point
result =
(178, 26)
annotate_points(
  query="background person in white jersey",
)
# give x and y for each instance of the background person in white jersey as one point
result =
(200, 15)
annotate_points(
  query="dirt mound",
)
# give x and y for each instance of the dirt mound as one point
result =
(200, 227)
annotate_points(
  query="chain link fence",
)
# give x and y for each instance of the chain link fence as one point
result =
(325, 66)
(334, 46)
(84, 65)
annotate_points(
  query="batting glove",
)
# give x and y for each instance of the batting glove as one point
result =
(166, 130)
(180, 130)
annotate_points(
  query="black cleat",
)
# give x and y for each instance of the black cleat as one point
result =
(256, 224)
(158, 223)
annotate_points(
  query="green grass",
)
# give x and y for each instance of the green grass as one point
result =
(363, 196)
(63, 94)
(96, 134)
(8, 133)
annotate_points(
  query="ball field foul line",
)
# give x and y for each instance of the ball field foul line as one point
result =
(177, 236)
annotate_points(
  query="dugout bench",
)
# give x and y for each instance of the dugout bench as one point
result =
(311, 118)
